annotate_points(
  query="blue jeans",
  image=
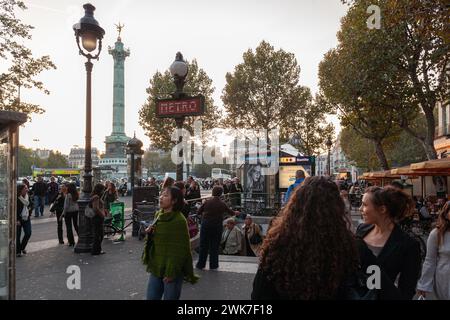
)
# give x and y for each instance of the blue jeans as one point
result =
(157, 288)
(39, 203)
(21, 244)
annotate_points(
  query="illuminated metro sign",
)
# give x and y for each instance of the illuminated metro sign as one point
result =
(288, 160)
(185, 107)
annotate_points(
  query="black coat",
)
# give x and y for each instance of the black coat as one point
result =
(20, 208)
(400, 257)
(193, 194)
(39, 189)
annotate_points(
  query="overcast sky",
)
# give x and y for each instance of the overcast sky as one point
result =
(214, 32)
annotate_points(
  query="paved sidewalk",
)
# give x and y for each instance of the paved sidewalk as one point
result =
(120, 275)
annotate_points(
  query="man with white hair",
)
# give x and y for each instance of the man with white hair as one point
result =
(231, 243)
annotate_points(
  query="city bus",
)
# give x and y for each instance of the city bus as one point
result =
(218, 173)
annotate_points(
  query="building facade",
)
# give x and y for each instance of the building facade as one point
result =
(442, 135)
(42, 153)
(76, 157)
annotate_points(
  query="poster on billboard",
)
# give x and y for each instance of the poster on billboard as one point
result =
(255, 180)
(287, 175)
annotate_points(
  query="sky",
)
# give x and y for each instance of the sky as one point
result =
(214, 32)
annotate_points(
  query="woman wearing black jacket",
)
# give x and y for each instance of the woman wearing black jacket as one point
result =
(24, 208)
(193, 192)
(397, 254)
(58, 208)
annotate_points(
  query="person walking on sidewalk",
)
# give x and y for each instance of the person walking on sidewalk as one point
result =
(109, 196)
(52, 190)
(98, 206)
(299, 178)
(24, 209)
(169, 259)
(308, 253)
(39, 191)
(436, 268)
(57, 207)
(70, 212)
(212, 213)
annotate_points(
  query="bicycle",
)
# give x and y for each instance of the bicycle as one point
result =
(110, 227)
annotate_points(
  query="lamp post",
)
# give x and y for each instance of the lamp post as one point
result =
(179, 71)
(91, 34)
(134, 148)
(329, 144)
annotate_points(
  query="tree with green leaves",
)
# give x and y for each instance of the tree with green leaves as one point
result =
(307, 129)
(56, 160)
(151, 161)
(401, 149)
(162, 86)
(345, 86)
(263, 92)
(26, 159)
(359, 80)
(23, 67)
(413, 41)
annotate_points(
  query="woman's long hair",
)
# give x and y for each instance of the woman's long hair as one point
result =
(443, 224)
(98, 190)
(72, 189)
(308, 250)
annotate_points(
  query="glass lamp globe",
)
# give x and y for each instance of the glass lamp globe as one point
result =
(89, 41)
(179, 68)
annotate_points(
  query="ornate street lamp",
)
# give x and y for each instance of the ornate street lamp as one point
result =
(329, 144)
(179, 70)
(91, 35)
(134, 148)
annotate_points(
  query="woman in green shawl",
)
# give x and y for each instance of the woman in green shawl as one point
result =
(169, 259)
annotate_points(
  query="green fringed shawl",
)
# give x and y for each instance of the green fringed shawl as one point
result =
(170, 253)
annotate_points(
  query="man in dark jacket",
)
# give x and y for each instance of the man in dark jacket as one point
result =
(53, 190)
(39, 190)
(212, 213)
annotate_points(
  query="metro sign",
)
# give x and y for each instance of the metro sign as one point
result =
(287, 160)
(184, 107)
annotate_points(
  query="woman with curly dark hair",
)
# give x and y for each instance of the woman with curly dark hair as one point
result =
(308, 252)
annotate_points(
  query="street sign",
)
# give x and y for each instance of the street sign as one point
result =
(184, 107)
(287, 160)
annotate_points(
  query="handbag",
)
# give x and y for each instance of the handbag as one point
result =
(355, 287)
(89, 211)
(255, 238)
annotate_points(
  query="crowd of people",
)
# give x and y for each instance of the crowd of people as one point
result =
(63, 200)
(311, 249)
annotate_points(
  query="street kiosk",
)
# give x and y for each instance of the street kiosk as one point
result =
(9, 144)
